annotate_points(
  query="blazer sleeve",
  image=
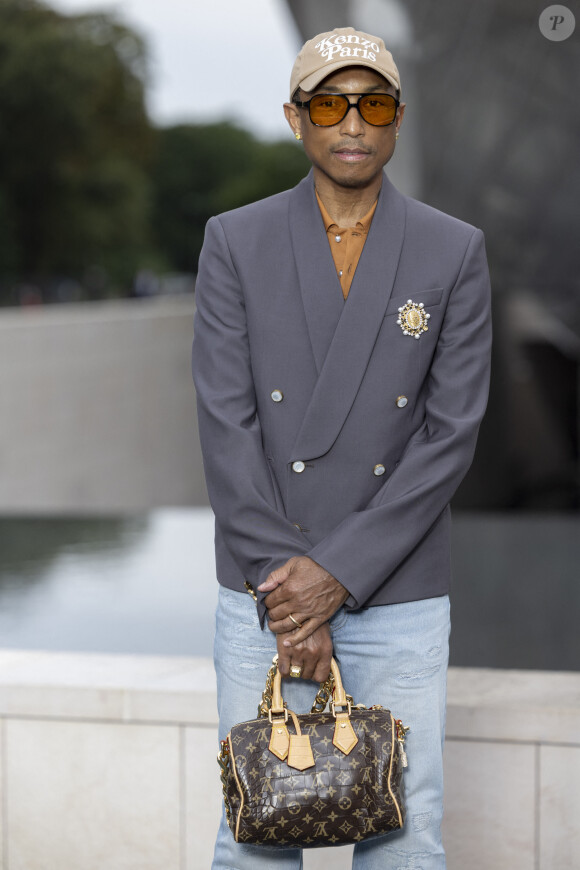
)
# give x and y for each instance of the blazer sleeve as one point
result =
(368, 546)
(240, 485)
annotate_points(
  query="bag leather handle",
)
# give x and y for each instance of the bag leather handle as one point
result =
(340, 699)
(297, 749)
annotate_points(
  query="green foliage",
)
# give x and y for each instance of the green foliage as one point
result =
(201, 170)
(75, 142)
(88, 187)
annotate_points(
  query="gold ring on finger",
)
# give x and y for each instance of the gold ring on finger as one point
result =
(295, 621)
(295, 671)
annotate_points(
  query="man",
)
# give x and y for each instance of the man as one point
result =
(341, 355)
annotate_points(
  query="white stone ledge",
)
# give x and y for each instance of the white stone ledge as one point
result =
(508, 705)
(501, 705)
(107, 687)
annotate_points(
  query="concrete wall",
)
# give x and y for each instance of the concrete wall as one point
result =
(98, 407)
(109, 761)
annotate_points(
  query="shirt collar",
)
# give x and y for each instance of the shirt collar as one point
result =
(363, 225)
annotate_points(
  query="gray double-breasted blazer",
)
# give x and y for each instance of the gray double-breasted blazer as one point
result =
(326, 430)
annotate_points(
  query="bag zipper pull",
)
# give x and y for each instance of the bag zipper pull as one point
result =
(401, 734)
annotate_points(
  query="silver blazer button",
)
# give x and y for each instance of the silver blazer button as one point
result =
(298, 466)
(402, 401)
(378, 470)
(276, 395)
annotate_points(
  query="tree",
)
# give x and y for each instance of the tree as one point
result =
(201, 170)
(75, 142)
(89, 190)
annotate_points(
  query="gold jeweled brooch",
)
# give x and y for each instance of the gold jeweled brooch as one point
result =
(413, 318)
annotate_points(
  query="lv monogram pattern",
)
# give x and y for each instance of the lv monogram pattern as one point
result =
(342, 799)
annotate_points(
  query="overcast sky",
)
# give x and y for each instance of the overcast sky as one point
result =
(209, 57)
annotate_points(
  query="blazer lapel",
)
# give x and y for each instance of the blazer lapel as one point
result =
(319, 285)
(345, 344)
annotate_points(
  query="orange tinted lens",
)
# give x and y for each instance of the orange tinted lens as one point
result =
(327, 109)
(378, 109)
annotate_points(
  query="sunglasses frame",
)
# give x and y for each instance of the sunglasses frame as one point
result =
(305, 104)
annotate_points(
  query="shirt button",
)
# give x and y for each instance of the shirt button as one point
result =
(378, 470)
(402, 401)
(276, 395)
(298, 467)
(338, 238)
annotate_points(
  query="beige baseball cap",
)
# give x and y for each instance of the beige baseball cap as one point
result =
(344, 46)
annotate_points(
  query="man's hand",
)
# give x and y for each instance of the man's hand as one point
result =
(312, 655)
(308, 592)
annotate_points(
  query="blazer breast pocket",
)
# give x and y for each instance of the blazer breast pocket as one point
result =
(429, 298)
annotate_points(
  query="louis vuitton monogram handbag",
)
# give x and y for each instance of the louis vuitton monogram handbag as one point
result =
(323, 778)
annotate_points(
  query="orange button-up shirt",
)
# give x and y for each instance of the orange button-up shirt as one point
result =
(346, 244)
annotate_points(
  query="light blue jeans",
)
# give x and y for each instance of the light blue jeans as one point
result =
(394, 655)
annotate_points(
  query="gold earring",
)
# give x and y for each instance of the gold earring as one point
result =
(298, 136)
(396, 135)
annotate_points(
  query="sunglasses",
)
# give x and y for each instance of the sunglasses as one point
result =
(326, 110)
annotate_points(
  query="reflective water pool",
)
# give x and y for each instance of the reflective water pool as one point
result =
(147, 585)
(140, 585)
